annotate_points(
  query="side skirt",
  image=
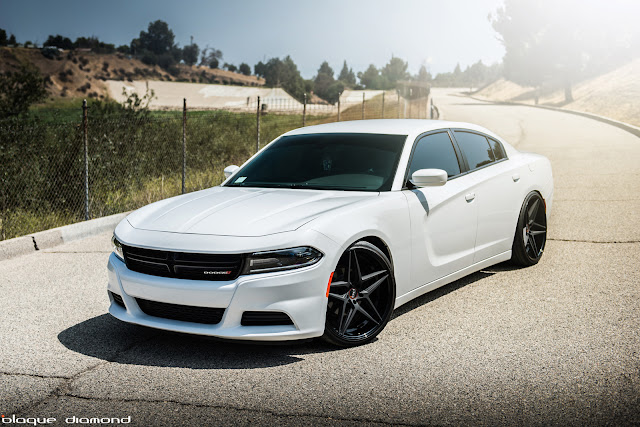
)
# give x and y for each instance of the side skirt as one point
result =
(451, 278)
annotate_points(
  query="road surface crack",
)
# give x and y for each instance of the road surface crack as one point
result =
(20, 374)
(64, 388)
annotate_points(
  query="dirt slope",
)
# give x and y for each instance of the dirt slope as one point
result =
(76, 74)
(614, 94)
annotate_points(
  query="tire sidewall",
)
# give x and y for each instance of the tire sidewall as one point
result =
(330, 335)
(519, 251)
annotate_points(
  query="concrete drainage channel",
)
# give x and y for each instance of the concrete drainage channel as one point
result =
(634, 130)
(56, 236)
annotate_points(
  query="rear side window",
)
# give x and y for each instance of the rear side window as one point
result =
(498, 149)
(475, 148)
(435, 151)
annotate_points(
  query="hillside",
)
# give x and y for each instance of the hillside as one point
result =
(81, 74)
(614, 94)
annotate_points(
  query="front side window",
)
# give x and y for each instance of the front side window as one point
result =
(336, 161)
(475, 148)
(435, 151)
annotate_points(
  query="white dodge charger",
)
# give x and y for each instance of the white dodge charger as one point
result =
(329, 228)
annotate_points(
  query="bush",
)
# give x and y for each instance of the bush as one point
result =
(19, 89)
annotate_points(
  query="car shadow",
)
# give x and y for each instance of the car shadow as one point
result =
(107, 338)
(452, 287)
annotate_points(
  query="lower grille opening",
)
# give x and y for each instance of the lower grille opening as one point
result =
(117, 299)
(265, 318)
(184, 313)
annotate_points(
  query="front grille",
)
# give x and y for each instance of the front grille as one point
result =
(265, 318)
(184, 313)
(183, 265)
(117, 299)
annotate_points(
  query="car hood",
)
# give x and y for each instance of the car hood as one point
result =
(250, 212)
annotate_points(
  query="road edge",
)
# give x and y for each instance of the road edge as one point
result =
(30, 243)
(634, 130)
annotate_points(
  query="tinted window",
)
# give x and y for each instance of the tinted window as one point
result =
(435, 152)
(476, 149)
(498, 149)
(333, 161)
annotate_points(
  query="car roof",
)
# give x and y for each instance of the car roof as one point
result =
(387, 126)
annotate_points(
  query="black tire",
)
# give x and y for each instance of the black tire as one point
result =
(361, 296)
(531, 232)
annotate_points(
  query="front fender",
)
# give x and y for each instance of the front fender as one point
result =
(385, 217)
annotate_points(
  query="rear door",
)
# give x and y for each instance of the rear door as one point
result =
(496, 189)
(443, 220)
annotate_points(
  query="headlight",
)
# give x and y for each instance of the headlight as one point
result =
(285, 259)
(117, 247)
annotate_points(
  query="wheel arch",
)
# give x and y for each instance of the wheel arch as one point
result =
(380, 244)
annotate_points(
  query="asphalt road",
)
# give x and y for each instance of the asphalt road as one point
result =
(557, 343)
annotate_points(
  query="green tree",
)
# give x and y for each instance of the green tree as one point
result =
(347, 76)
(158, 38)
(3, 37)
(12, 40)
(245, 69)
(370, 78)
(395, 70)
(282, 73)
(475, 75)
(94, 44)
(323, 84)
(230, 67)
(423, 75)
(325, 68)
(19, 89)
(211, 57)
(190, 54)
(260, 69)
(58, 41)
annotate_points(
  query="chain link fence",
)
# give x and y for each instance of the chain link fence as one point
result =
(47, 180)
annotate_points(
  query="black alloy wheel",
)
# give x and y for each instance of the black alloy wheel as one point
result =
(531, 232)
(361, 296)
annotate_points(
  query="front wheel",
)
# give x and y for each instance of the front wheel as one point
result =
(361, 296)
(531, 231)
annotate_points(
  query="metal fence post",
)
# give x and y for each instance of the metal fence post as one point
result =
(184, 144)
(362, 105)
(338, 108)
(258, 126)
(383, 105)
(304, 111)
(85, 126)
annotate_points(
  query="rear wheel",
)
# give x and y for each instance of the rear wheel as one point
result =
(361, 296)
(531, 232)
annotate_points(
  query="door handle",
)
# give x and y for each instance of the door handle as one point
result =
(515, 177)
(469, 197)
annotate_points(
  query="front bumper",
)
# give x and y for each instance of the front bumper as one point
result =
(299, 293)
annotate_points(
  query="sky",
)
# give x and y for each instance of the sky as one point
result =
(435, 33)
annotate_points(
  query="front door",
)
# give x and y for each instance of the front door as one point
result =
(443, 219)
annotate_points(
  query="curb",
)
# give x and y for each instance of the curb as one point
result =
(56, 236)
(635, 130)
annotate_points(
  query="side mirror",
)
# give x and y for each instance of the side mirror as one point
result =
(230, 170)
(429, 177)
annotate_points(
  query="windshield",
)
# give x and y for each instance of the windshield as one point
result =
(330, 161)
